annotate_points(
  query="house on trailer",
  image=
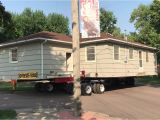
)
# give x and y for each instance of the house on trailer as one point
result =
(108, 56)
(36, 56)
(46, 54)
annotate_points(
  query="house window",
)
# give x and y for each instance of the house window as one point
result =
(116, 52)
(140, 59)
(147, 60)
(14, 55)
(91, 53)
(131, 53)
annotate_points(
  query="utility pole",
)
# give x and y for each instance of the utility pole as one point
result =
(76, 58)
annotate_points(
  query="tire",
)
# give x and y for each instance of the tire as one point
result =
(86, 89)
(39, 87)
(94, 88)
(132, 82)
(100, 88)
(49, 87)
(127, 83)
(69, 88)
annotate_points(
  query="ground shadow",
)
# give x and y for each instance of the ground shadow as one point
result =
(122, 86)
(35, 105)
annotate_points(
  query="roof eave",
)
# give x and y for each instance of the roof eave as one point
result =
(83, 42)
(118, 41)
(31, 40)
(131, 44)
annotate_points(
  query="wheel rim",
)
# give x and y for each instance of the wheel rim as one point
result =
(102, 88)
(88, 89)
(49, 87)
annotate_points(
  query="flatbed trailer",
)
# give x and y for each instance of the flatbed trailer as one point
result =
(96, 85)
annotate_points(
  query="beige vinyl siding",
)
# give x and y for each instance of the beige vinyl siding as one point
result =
(29, 60)
(54, 54)
(149, 66)
(106, 66)
(55, 58)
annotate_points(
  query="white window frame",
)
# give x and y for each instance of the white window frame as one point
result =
(118, 51)
(86, 54)
(10, 55)
(132, 54)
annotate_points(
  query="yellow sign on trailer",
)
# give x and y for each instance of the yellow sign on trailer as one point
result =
(28, 75)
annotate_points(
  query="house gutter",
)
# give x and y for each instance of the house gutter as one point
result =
(30, 40)
(42, 58)
(129, 43)
(118, 41)
(83, 42)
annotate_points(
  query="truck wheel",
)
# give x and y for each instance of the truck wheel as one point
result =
(100, 88)
(94, 88)
(127, 82)
(69, 88)
(39, 87)
(86, 89)
(132, 82)
(49, 87)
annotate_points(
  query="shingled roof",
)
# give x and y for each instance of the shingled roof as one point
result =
(66, 38)
(47, 35)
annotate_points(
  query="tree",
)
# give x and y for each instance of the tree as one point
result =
(39, 21)
(117, 32)
(5, 23)
(57, 23)
(30, 22)
(155, 15)
(146, 21)
(132, 36)
(107, 21)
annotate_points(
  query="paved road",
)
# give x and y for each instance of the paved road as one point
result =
(141, 102)
(34, 105)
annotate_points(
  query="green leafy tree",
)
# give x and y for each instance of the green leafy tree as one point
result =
(30, 22)
(132, 36)
(107, 21)
(117, 32)
(155, 15)
(57, 23)
(5, 23)
(39, 21)
(146, 21)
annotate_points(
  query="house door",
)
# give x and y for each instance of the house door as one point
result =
(69, 62)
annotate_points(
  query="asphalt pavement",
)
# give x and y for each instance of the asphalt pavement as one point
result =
(141, 102)
(137, 103)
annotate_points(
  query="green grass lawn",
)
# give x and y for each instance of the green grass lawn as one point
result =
(7, 114)
(153, 80)
(6, 86)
